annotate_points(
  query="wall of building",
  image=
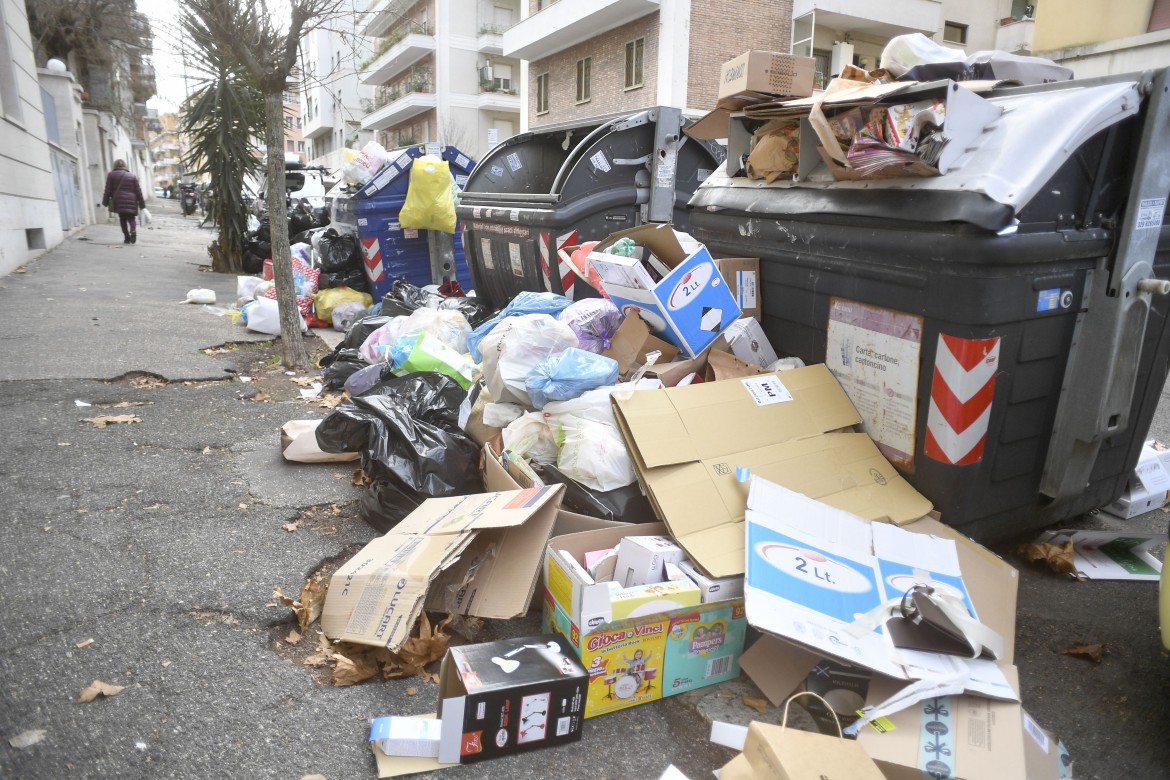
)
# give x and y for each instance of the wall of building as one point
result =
(608, 94)
(106, 141)
(981, 18)
(29, 219)
(721, 31)
(1061, 24)
(68, 149)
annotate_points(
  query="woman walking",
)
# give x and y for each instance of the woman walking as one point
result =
(124, 196)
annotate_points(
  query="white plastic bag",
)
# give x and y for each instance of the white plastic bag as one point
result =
(246, 286)
(531, 437)
(448, 326)
(200, 295)
(593, 453)
(264, 317)
(365, 164)
(905, 51)
(144, 217)
(515, 347)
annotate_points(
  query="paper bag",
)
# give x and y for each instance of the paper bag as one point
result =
(298, 443)
(791, 754)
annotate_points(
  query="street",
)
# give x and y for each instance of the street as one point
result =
(144, 554)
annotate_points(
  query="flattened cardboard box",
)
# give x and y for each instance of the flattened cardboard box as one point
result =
(688, 442)
(960, 737)
(471, 555)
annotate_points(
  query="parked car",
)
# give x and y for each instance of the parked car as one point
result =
(159, 192)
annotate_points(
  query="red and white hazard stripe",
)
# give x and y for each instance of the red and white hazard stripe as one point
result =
(960, 399)
(544, 242)
(372, 255)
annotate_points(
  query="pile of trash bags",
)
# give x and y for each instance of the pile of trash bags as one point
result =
(433, 378)
(302, 218)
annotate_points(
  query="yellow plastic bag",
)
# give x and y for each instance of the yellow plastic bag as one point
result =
(325, 301)
(430, 204)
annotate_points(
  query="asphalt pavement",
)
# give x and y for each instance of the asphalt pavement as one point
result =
(161, 541)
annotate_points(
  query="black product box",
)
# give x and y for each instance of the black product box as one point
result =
(509, 696)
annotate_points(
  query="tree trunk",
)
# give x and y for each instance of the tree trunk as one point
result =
(293, 351)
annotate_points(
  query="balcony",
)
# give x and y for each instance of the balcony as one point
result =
(397, 111)
(400, 56)
(883, 20)
(1015, 35)
(381, 15)
(499, 100)
(563, 25)
(490, 41)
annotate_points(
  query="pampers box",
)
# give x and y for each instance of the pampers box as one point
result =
(643, 654)
(691, 305)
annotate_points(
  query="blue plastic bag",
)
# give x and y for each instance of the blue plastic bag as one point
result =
(524, 303)
(568, 374)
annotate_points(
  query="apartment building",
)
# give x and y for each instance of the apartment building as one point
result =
(602, 57)
(334, 100)
(166, 151)
(1097, 38)
(294, 126)
(440, 74)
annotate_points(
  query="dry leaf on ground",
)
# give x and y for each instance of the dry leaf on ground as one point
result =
(759, 705)
(308, 605)
(1059, 557)
(353, 670)
(99, 688)
(360, 478)
(110, 419)
(260, 396)
(304, 381)
(293, 637)
(330, 400)
(1094, 652)
(291, 527)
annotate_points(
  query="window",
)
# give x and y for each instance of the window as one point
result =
(300, 146)
(954, 32)
(299, 122)
(288, 123)
(288, 97)
(583, 68)
(502, 77)
(9, 91)
(823, 59)
(542, 93)
(289, 145)
(635, 50)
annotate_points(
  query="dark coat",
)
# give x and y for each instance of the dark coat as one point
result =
(128, 198)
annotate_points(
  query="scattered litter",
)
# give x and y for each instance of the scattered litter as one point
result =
(313, 391)
(1060, 557)
(728, 734)
(140, 746)
(292, 638)
(111, 419)
(27, 738)
(166, 664)
(308, 605)
(757, 704)
(260, 396)
(1094, 652)
(412, 691)
(304, 381)
(99, 688)
(84, 644)
(200, 295)
(1105, 555)
(673, 773)
(82, 403)
(245, 378)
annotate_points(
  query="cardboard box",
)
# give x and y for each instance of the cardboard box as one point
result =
(713, 588)
(961, 737)
(688, 443)
(509, 696)
(812, 570)
(742, 275)
(691, 305)
(745, 339)
(470, 555)
(639, 659)
(1148, 486)
(641, 559)
(633, 342)
(769, 72)
(399, 736)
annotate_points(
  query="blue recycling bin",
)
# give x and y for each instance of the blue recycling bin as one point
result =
(391, 252)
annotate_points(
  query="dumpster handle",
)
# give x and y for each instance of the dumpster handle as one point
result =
(579, 151)
(1096, 396)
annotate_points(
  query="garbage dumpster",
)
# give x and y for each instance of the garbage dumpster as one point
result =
(1002, 327)
(391, 252)
(569, 183)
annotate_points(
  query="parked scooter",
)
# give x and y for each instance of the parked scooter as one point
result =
(188, 199)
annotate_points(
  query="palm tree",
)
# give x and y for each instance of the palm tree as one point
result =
(222, 118)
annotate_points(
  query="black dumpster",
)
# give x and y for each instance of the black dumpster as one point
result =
(1002, 328)
(565, 184)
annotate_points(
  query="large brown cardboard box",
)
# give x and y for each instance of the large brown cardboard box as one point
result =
(767, 71)
(688, 443)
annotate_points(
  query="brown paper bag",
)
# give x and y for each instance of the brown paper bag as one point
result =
(791, 754)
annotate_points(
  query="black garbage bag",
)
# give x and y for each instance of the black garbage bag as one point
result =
(625, 504)
(361, 330)
(264, 232)
(405, 297)
(253, 263)
(406, 429)
(353, 278)
(338, 251)
(339, 365)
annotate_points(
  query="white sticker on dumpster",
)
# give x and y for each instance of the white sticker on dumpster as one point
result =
(1150, 213)
(410, 233)
(514, 257)
(766, 390)
(485, 249)
(514, 162)
(874, 353)
(600, 162)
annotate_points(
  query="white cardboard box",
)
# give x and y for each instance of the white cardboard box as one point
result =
(713, 588)
(746, 340)
(641, 559)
